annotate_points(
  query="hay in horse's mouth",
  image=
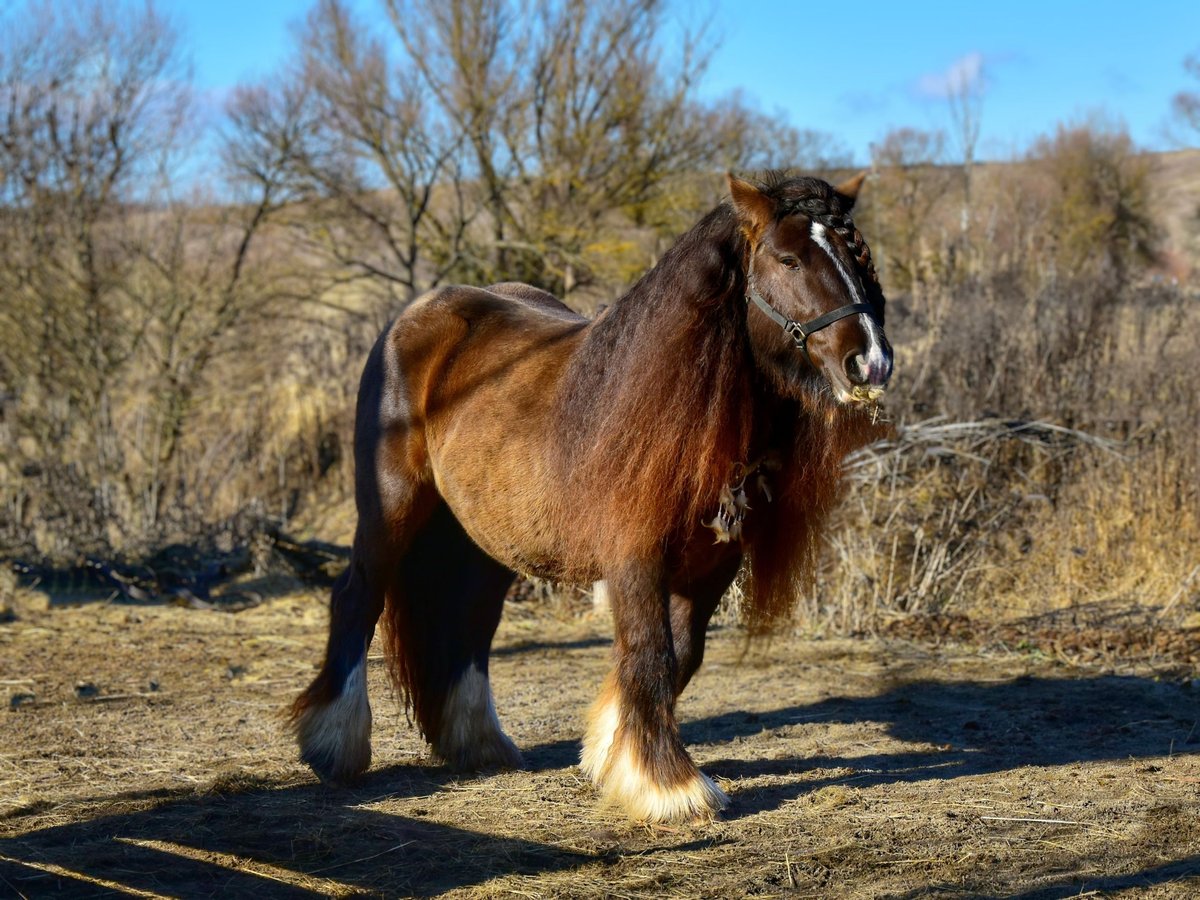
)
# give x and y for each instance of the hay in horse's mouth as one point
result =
(866, 393)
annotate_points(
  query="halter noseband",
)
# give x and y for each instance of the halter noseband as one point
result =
(800, 331)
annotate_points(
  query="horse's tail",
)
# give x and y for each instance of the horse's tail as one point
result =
(407, 626)
(440, 612)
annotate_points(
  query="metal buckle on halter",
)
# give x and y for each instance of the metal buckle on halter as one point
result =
(796, 331)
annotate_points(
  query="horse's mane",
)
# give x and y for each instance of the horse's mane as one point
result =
(663, 401)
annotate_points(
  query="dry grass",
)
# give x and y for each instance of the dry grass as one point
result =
(1004, 519)
(1078, 489)
(856, 768)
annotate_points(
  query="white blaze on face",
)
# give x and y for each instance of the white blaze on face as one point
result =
(876, 357)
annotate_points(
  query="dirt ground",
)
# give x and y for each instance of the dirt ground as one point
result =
(142, 752)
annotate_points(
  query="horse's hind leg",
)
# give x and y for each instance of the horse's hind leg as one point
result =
(395, 497)
(440, 623)
(443, 597)
(332, 718)
(632, 748)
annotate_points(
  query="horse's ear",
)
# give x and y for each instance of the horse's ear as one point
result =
(754, 208)
(850, 188)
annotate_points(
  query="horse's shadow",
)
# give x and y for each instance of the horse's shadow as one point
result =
(298, 839)
(271, 840)
(1071, 886)
(963, 729)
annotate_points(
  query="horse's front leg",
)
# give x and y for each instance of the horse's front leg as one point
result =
(692, 606)
(632, 749)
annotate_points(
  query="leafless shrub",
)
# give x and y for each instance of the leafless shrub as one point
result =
(1080, 486)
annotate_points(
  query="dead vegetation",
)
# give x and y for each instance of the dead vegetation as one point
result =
(181, 369)
(1019, 562)
(860, 768)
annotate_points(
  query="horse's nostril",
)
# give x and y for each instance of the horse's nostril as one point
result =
(856, 368)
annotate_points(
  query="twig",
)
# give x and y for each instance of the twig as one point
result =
(351, 862)
(1183, 586)
(109, 698)
(1022, 819)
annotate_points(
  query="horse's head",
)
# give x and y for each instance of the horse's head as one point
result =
(814, 303)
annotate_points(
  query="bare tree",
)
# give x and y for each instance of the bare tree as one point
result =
(485, 139)
(1186, 104)
(570, 110)
(364, 145)
(119, 296)
(965, 85)
(753, 139)
(911, 181)
(92, 101)
(1100, 200)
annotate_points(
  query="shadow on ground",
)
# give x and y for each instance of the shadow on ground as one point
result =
(272, 839)
(1074, 886)
(968, 728)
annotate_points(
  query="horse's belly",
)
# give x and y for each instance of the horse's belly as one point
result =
(508, 510)
(494, 466)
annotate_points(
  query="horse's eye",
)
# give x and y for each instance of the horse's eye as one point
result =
(790, 261)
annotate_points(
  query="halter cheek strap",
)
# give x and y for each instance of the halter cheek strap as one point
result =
(800, 331)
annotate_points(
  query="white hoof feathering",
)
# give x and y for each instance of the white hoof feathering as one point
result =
(614, 766)
(644, 800)
(603, 719)
(335, 738)
(471, 736)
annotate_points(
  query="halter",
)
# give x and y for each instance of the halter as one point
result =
(800, 331)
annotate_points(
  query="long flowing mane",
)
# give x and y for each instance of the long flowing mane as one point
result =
(659, 398)
(664, 403)
(783, 547)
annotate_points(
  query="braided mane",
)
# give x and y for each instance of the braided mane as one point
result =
(819, 201)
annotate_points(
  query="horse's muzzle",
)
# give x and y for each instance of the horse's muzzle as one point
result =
(873, 368)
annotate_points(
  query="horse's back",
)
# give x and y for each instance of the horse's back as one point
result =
(457, 324)
(475, 374)
(508, 303)
(535, 298)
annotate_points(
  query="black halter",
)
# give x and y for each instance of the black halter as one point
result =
(799, 331)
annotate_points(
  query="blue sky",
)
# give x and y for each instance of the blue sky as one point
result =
(855, 69)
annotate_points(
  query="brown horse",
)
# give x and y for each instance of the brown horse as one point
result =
(691, 428)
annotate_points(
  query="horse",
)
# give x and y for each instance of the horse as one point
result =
(693, 429)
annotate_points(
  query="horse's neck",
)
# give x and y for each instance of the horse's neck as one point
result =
(680, 303)
(658, 396)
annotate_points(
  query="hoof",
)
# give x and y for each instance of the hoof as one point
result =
(471, 738)
(694, 798)
(335, 737)
(612, 761)
(493, 752)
